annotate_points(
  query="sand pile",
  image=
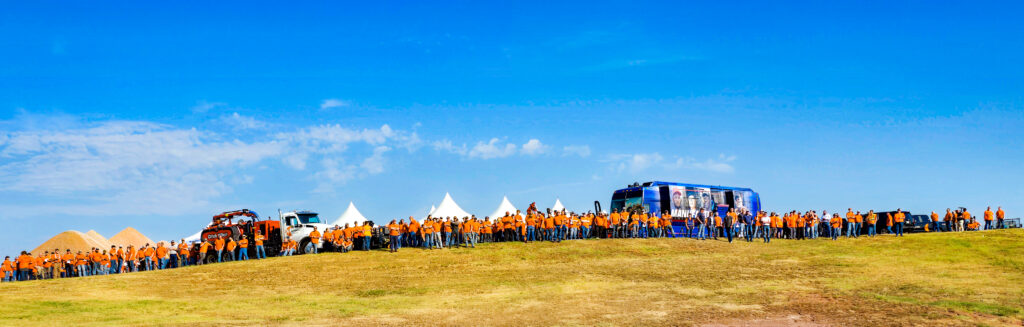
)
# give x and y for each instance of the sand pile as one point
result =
(99, 239)
(130, 236)
(73, 240)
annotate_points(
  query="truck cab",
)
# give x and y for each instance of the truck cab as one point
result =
(301, 223)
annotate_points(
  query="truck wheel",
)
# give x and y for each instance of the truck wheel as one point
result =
(306, 247)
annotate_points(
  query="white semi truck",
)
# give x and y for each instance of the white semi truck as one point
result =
(301, 223)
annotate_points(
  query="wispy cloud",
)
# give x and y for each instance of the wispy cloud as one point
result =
(334, 103)
(580, 150)
(639, 162)
(204, 106)
(533, 147)
(492, 149)
(240, 122)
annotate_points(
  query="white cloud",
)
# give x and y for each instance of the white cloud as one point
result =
(132, 167)
(721, 165)
(334, 103)
(580, 150)
(533, 147)
(239, 122)
(124, 166)
(375, 163)
(204, 106)
(492, 149)
(447, 146)
(635, 163)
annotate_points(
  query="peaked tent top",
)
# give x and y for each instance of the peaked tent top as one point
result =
(558, 205)
(351, 216)
(448, 208)
(432, 209)
(504, 207)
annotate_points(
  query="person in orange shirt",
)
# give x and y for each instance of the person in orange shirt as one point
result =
(898, 222)
(1000, 215)
(7, 268)
(837, 226)
(427, 233)
(25, 263)
(261, 252)
(870, 222)
(394, 230)
(549, 228)
(989, 217)
(218, 245)
(314, 238)
(162, 255)
(973, 225)
(68, 262)
(104, 263)
(412, 239)
(243, 248)
(204, 247)
(82, 264)
(230, 248)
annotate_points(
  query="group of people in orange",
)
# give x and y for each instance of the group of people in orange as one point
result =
(119, 259)
(551, 226)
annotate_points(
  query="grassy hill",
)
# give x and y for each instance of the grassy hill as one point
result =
(972, 279)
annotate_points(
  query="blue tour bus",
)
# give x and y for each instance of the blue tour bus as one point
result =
(683, 200)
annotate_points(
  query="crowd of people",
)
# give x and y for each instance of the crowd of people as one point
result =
(533, 226)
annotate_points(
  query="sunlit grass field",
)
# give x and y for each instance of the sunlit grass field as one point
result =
(937, 279)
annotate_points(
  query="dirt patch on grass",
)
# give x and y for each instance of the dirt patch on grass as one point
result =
(790, 320)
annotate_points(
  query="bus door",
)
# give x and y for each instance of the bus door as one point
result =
(730, 199)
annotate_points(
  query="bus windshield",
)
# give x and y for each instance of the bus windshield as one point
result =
(627, 199)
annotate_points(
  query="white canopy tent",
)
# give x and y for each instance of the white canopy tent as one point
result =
(432, 209)
(558, 205)
(504, 207)
(194, 238)
(448, 208)
(351, 216)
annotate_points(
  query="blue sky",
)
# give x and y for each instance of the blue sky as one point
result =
(135, 114)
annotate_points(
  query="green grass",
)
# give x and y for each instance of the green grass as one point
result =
(947, 279)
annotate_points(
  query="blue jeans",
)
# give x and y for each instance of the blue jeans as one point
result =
(988, 224)
(243, 254)
(428, 240)
(366, 243)
(748, 231)
(899, 229)
(394, 242)
(871, 229)
(835, 232)
(260, 252)
(700, 232)
(766, 232)
(531, 233)
(849, 229)
(219, 255)
(163, 263)
(24, 274)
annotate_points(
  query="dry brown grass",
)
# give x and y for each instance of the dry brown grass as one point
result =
(935, 280)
